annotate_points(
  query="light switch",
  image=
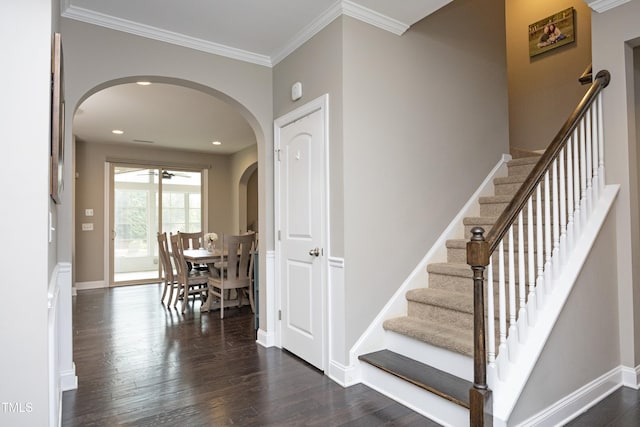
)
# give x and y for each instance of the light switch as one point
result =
(88, 212)
(88, 226)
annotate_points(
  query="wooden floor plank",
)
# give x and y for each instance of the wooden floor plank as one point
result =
(141, 364)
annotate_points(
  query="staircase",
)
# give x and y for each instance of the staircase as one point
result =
(440, 316)
(482, 328)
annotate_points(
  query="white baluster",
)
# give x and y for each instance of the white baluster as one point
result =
(570, 231)
(563, 210)
(589, 170)
(522, 291)
(576, 184)
(531, 300)
(491, 316)
(547, 234)
(600, 143)
(513, 332)
(555, 254)
(539, 246)
(503, 353)
(583, 175)
(594, 149)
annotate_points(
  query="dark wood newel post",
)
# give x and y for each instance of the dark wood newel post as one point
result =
(479, 395)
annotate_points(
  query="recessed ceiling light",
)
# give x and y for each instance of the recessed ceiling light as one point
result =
(117, 131)
(144, 83)
(217, 143)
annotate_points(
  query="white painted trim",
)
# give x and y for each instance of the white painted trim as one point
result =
(96, 284)
(421, 401)
(265, 338)
(138, 29)
(107, 227)
(374, 18)
(631, 377)
(270, 336)
(307, 33)
(338, 371)
(321, 104)
(69, 379)
(373, 338)
(604, 5)
(506, 393)
(577, 402)
(345, 7)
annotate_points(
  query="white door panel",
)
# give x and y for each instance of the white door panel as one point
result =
(301, 199)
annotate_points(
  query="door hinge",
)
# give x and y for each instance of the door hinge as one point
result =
(279, 235)
(278, 154)
(279, 314)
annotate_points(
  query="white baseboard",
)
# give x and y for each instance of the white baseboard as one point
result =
(580, 400)
(69, 379)
(265, 338)
(81, 286)
(631, 377)
(344, 375)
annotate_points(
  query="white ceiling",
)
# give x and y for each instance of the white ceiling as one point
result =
(258, 31)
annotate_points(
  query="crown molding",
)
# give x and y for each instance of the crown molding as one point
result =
(307, 32)
(340, 7)
(604, 5)
(91, 17)
(374, 18)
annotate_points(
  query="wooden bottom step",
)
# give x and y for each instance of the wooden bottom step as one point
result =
(441, 383)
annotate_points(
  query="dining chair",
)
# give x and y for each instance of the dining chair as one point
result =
(235, 270)
(190, 281)
(167, 267)
(193, 241)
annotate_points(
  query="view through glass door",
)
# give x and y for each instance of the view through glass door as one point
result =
(143, 199)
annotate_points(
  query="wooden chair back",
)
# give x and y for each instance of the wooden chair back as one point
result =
(239, 249)
(165, 259)
(192, 240)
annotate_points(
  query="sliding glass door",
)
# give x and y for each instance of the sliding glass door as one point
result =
(146, 200)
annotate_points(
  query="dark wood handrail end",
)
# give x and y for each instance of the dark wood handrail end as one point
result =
(477, 249)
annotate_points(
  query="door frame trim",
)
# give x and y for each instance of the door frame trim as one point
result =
(321, 103)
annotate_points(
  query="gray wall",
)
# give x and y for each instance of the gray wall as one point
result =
(318, 66)
(425, 120)
(543, 90)
(615, 33)
(27, 28)
(404, 112)
(90, 185)
(582, 346)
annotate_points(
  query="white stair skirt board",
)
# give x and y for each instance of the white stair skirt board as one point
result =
(439, 358)
(423, 402)
(373, 338)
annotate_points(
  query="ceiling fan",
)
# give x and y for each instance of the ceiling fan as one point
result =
(165, 174)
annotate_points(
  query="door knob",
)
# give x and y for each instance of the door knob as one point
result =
(314, 252)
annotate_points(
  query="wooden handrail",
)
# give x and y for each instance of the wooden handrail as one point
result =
(509, 215)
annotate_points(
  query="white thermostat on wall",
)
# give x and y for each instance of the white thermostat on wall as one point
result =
(296, 91)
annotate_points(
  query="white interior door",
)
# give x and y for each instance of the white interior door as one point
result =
(302, 259)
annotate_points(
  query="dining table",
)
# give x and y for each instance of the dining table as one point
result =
(208, 257)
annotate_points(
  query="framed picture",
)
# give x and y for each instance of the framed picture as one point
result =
(552, 32)
(57, 120)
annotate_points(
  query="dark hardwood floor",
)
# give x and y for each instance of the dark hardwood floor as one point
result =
(141, 364)
(620, 409)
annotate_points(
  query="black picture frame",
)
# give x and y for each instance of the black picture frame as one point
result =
(57, 120)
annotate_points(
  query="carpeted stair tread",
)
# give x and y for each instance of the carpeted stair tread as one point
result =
(523, 161)
(450, 269)
(495, 199)
(457, 301)
(511, 179)
(438, 334)
(441, 383)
